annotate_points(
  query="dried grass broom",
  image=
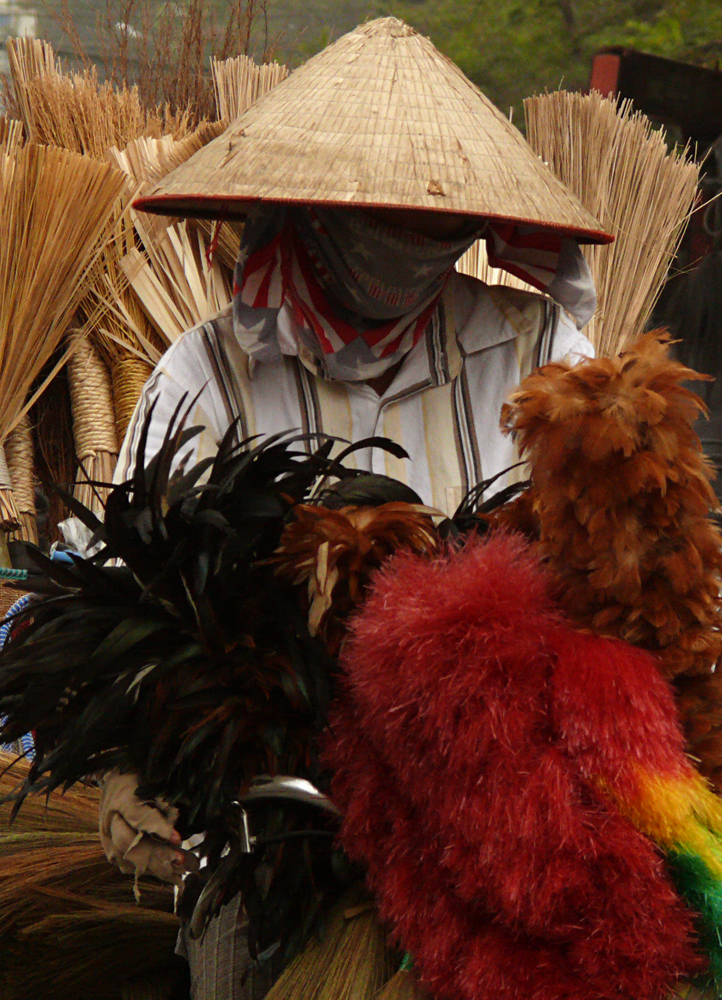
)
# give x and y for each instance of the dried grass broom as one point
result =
(75, 111)
(28, 58)
(73, 811)
(622, 171)
(239, 82)
(54, 206)
(19, 453)
(83, 952)
(68, 918)
(94, 420)
(69, 926)
(350, 961)
(404, 985)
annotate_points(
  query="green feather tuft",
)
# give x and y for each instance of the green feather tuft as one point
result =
(703, 891)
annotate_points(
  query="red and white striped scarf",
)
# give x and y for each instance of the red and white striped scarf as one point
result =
(358, 295)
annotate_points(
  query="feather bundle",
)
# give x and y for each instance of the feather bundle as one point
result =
(335, 552)
(191, 664)
(505, 777)
(622, 496)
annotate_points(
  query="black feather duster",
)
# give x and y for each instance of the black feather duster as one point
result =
(176, 652)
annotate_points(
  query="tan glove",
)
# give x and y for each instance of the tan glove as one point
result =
(140, 836)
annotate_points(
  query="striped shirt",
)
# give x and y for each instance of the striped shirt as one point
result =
(442, 406)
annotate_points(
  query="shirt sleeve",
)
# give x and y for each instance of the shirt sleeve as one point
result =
(181, 387)
(161, 399)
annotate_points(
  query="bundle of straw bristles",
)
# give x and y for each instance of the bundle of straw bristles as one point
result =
(642, 192)
(68, 927)
(92, 292)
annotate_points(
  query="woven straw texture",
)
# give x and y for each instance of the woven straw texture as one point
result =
(380, 118)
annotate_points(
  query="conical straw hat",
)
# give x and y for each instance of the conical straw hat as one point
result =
(380, 118)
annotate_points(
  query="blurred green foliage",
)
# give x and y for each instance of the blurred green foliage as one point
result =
(512, 49)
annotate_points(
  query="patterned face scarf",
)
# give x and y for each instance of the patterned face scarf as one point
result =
(350, 295)
(358, 293)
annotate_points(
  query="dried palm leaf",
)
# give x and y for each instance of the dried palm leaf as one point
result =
(11, 134)
(239, 82)
(177, 283)
(146, 161)
(621, 169)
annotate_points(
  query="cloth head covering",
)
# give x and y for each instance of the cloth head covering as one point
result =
(351, 295)
(358, 292)
(378, 119)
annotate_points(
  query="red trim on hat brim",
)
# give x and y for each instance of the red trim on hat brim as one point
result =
(220, 207)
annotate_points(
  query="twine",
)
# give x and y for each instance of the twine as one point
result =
(8, 597)
(94, 431)
(129, 376)
(20, 457)
(91, 399)
(9, 517)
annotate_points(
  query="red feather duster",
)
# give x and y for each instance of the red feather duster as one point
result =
(483, 752)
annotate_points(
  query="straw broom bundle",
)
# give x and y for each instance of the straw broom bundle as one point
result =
(68, 922)
(239, 82)
(54, 206)
(351, 961)
(75, 111)
(621, 170)
(29, 58)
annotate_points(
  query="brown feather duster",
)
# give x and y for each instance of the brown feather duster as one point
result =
(334, 552)
(622, 495)
(621, 498)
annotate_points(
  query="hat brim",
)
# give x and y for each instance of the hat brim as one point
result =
(230, 209)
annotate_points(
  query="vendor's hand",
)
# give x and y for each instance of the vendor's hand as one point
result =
(140, 836)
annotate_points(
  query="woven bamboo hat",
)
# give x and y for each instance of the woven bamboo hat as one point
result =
(380, 118)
